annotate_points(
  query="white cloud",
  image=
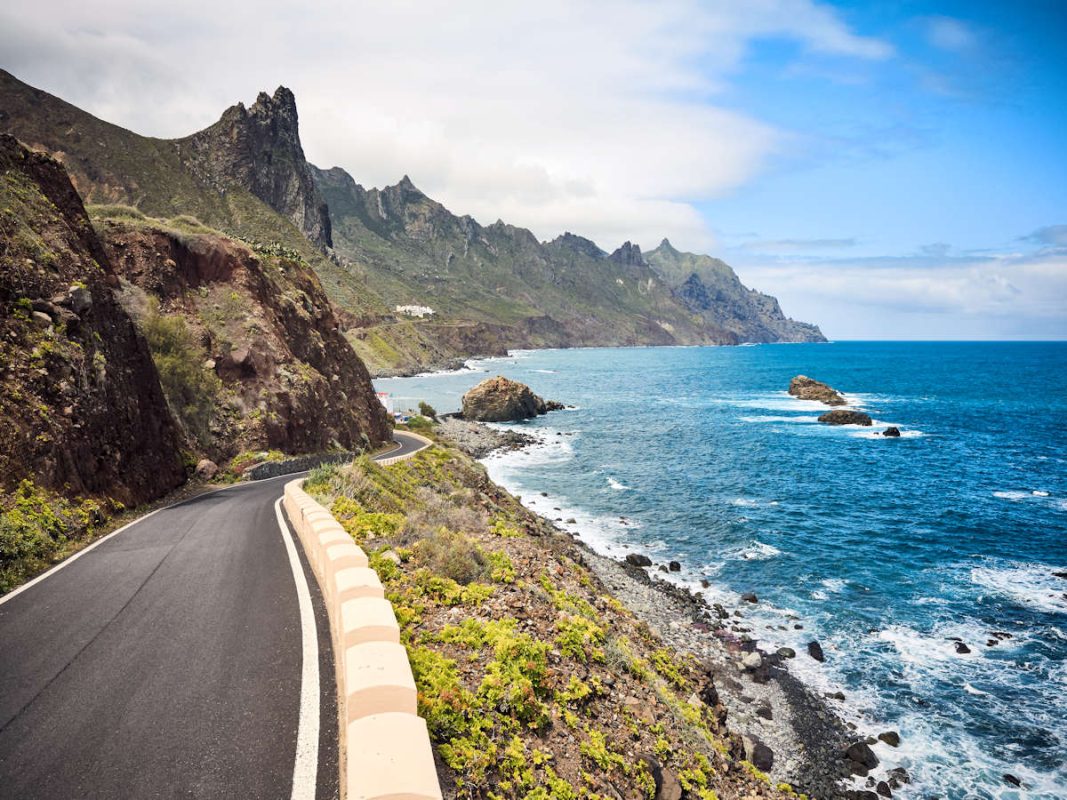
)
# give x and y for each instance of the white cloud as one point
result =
(1007, 295)
(598, 117)
(950, 34)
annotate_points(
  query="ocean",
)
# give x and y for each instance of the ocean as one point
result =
(890, 552)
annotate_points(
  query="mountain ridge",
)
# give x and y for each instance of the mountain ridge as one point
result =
(492, 287)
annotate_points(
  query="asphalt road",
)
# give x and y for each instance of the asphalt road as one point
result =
(167, 661)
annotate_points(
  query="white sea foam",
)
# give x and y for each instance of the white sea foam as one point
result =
(1030, 585)
(835, 585)
(759, 551)
(744, 502)
(868, 433)
(971, 690)
(618, 487)
(1013, 495)
(1039, 493)
(801, 418)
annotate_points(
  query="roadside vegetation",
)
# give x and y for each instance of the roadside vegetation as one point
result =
(534, 682)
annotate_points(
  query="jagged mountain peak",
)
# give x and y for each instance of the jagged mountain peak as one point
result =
(258, 148)
(578, 244)
(629, 255)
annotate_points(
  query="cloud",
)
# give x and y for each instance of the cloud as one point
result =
(771, 246)
(947, 33)
(1024, 294)
(600, 117)
(1052, 235)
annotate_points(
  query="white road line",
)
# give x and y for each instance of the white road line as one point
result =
(67, 562)
(305, 769)
(71, 559)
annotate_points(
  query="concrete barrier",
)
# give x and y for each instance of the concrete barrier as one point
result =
(385, 747)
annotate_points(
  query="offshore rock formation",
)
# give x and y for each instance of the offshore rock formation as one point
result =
(805, 388)
(501, 400)
(259, 149)
(844, 416)
(81, 410)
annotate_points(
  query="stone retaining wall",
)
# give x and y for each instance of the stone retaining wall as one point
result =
(385, 746)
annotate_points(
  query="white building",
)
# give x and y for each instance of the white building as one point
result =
(415, 311)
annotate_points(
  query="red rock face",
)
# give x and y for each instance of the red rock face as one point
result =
(81, 409)
(291, 380)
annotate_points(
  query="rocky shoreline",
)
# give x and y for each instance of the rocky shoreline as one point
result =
(789, 731)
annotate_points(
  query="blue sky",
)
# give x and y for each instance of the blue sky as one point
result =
(947, 153)
(888, 170)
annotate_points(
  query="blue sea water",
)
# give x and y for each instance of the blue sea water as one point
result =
(886, 550)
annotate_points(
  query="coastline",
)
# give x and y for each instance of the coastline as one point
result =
(789, 730)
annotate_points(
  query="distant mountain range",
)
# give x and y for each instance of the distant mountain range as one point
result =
(491, 287)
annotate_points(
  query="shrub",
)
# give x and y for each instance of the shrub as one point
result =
(427, 410)
(191, 390)
(451, 555)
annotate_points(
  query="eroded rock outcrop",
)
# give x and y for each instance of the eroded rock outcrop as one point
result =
(81, 410)
(268, 336)
(502, 400)
(804, 388)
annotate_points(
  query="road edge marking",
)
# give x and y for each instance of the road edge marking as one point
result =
(306, 763)
(72, 558)
(75, 556)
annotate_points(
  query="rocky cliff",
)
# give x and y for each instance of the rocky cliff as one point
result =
(81, 410)
(281, 374)
(258, 149)
(709, 287)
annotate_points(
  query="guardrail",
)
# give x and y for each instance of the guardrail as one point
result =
(385, 746)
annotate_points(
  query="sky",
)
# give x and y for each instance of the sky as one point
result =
(889, 170)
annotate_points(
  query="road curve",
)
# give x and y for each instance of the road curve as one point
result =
(167, 660)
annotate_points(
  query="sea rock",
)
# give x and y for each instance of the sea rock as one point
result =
(861, 753)
(1060, 575)
(806, 388)
(758, 754)
(891, 738)
(1012, 780)
(815, 651)
(638, 560)
(845, 416)
(787, 652)
(883, 789)
(675, 566)
(749, 597)
(501, 400)
(206, 469)
(962, 649)
(891, 432)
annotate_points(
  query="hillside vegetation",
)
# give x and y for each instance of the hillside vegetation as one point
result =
(534, 681)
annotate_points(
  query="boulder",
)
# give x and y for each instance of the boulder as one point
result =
(962, 649)
(805, 388)
(675, 566)
(1012, 780)
(638, 560)
(749, 597)
(883, 789)
(844, 416)
(758, 754)
(892, 432)
(79, 299)
(815, 651)
(752, 660)
(501, 400)
(891, 738)
(667, 784)
(787, 652)
(206, 469)
(861, 753)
